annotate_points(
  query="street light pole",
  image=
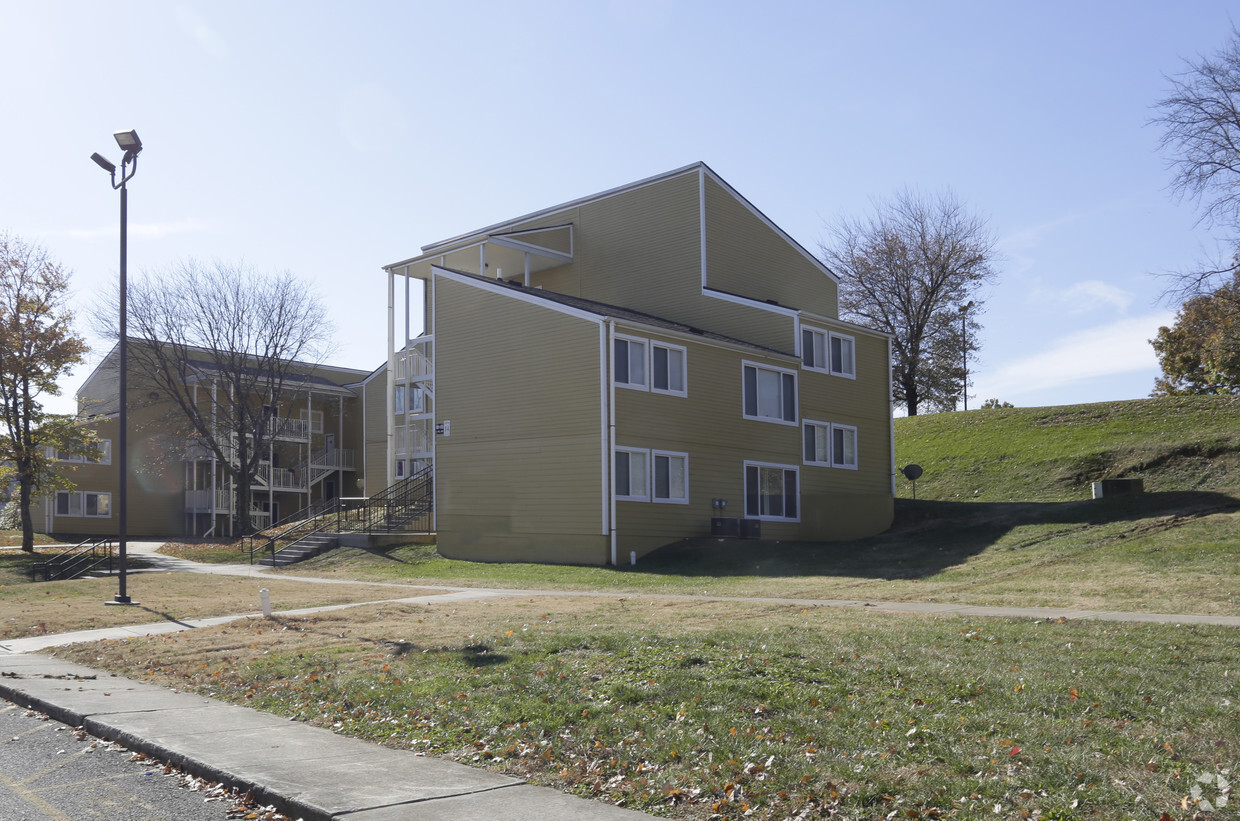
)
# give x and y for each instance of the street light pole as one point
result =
(132, 146)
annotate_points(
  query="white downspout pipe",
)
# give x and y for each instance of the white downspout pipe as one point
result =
(611, 436)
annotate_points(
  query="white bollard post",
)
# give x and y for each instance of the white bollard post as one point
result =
(264, 596)
(633, 557)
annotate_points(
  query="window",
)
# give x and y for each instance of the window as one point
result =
(770, 394)
(400, 468)
(828, 352)
(771, 492)
(632, 469)
(667, 369)
(814, 349)
(671, 477)
(844, 446)
(843, 360)
(315, 419)
(105, 453)
(817, 443)
(630, 363)
(834, 445)
(415, 401)
(83, 503)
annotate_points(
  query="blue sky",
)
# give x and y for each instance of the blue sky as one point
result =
(329, 139)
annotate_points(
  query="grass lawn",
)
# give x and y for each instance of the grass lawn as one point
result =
(63, 606)
(1161, 552)
(1053, 454)
(725, 710)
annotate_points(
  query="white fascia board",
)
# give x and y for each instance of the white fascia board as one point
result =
(508, 291)
(443, 246)
(529, 247)
(852, 327)
(749, 302)
(787, 238)
(95, 373)
(637, 329)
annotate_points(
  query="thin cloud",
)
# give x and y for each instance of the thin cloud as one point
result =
(1107, 350)
(1094, 293)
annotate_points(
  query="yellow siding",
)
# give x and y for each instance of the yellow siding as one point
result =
(520, 475)
(709, 426)
(746, 256)
(374, 408)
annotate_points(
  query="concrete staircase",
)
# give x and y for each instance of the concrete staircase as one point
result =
(304, 548)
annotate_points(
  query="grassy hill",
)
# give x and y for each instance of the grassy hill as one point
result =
(1053, 454)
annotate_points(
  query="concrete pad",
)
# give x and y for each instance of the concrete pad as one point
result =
(518, 803)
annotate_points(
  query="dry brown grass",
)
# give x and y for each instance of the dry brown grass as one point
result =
(58, 607)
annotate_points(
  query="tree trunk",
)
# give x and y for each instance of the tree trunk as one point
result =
(23, 504)
(911, 398)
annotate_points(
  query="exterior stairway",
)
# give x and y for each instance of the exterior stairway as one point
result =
(302, 549)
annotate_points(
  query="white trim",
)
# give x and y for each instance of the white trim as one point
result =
(856, 447)
(821, 425)
(389, 459)
(745, 485)
(498, 287)
(437, 248)
(644, 453)
(796, 398)
(826, 347)
(891, 420)
(750, 302)
(852, 342)
(605, 439)
(81, 500)
(632, 340)
(671, 500)
(684, 369)
(702, 221)
(610, 461)
(817, 263)
(530, 248)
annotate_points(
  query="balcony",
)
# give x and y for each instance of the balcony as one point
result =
(199, 501)
(414, 363)
(278, 478)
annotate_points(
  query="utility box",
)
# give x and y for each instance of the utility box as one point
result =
(751, 529)
(1118, 487)
(724, 527)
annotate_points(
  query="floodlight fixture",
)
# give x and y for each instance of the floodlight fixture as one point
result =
(103, 163)
(128, 141)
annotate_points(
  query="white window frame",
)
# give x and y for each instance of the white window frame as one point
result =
(105, 453)
(672, 350)
(783, 418)
(822, 429)
(400, 469)
(856, 448)
(644, 359)
(654, 479)
(313, 419)
(80, 496)
(851, 373)
(644, 455)
(813, 364)
(767, 517)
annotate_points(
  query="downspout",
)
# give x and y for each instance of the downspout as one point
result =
(611, 436)
(891, 420)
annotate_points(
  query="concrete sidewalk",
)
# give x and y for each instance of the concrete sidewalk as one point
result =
(303, 771)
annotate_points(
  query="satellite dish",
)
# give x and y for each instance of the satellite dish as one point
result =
(911, 472)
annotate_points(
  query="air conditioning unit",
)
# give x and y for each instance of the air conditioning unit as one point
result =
(751, 529)
(725, 528)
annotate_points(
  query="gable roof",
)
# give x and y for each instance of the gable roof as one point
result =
(478, 235)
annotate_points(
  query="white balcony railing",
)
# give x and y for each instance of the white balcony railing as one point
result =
(415, 361)
(279, 478)
(337, 458)
(199, 501)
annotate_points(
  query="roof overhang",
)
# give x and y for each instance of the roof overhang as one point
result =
(505, 255)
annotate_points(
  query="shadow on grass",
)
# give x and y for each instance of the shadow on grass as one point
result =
(928, 537)
(167, 617)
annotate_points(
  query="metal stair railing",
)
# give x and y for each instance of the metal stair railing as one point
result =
(405, 506)
(77, 560)
(326, 520)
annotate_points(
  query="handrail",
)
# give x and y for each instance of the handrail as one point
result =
(313, 524)
(71, 563)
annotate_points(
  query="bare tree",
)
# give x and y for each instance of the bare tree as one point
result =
(910, 269)
(37, 346)
(1200, 118)
(228, 346)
